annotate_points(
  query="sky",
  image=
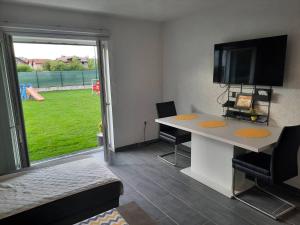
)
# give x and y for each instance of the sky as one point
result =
(52, 51)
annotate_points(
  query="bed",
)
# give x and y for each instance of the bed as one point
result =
(60, 194)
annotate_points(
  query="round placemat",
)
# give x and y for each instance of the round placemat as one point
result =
(252, 132)
(212, 124)
(187, 117)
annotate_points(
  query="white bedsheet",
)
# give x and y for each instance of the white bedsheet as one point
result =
(28, 189)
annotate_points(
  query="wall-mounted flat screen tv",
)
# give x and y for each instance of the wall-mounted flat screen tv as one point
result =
(251, 62)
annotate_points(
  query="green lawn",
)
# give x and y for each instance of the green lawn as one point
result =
(65, 122)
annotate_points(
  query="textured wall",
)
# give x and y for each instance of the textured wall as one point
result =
(188, 54)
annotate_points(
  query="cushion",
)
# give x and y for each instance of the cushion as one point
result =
(176, 136)
(257, 162)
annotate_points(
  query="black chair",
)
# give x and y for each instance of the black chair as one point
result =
(171, 134)
(271, 169)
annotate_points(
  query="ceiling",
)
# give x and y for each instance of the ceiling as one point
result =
(157, 10)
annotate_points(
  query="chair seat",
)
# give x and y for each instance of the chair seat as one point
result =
(176, 136)
(257, 162)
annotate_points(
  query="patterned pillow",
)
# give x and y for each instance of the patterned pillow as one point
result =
(111, 217)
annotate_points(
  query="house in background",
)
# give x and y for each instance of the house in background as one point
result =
(37, 64)
(68, 59)
(21, 60)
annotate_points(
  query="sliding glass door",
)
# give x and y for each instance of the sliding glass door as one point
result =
(107, 117)
(13, 148)
(13, 153)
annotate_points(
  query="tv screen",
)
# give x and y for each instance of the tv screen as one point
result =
(251, 62)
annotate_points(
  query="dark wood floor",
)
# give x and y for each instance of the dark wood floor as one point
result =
(171, 197)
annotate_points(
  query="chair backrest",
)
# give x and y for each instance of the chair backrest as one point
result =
(284, 159)
(166, 109)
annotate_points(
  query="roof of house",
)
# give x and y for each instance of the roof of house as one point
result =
(37, 61)
(67, 59)
(22, 60)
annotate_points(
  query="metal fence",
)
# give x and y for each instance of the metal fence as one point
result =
(47, 79)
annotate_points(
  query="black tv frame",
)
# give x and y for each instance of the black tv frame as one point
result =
(263, 64)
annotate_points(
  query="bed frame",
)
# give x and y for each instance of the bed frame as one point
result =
(71, 209)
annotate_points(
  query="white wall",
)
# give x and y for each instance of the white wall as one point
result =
(136, 63)
(188, 54)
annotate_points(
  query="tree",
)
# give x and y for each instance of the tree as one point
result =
(75, 64)
(92, 64)
(46, 65)
(54, 65)
(57, 66)
(24, 68)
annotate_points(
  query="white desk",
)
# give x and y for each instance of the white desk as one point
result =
(212, 149)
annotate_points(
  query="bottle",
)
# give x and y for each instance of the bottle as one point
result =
(253, 115)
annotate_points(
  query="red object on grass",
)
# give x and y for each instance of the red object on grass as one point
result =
(96, 87)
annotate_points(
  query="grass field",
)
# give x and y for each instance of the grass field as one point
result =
(65, 122)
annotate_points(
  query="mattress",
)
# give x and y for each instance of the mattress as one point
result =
(29, 189)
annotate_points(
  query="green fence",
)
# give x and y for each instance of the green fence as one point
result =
(47, 79)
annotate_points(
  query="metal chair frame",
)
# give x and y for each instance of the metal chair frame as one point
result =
(275, 216)
(175, 152)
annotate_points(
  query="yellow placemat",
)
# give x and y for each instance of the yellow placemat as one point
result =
(252, 132)
(187, 117)
(212, 124)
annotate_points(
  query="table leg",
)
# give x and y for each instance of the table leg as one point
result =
(211, 164)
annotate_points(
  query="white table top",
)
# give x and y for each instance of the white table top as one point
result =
(226, 134)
